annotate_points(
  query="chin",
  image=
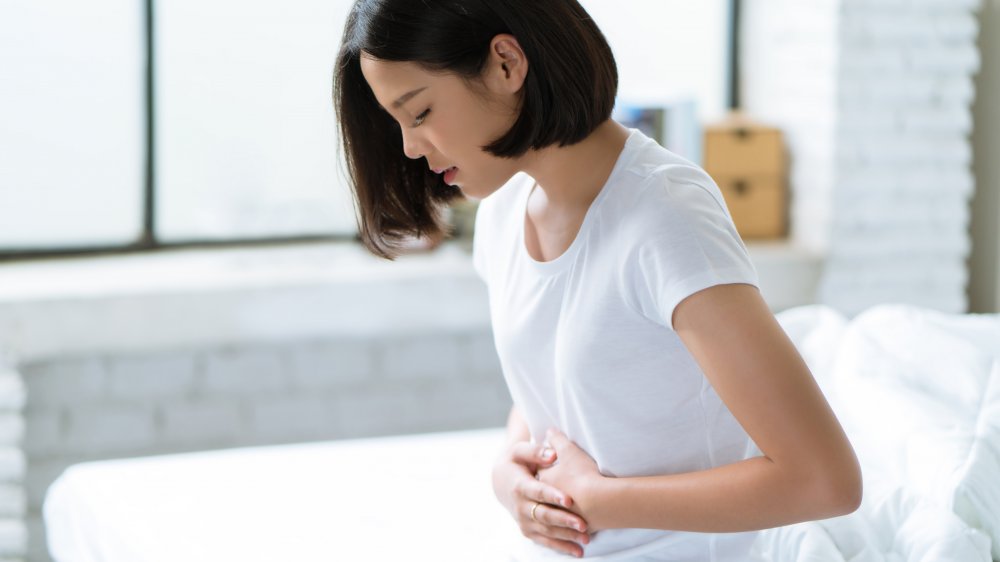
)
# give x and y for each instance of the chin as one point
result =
(474, 192)
(480, 191)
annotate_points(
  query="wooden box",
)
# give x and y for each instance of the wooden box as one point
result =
(748, 162)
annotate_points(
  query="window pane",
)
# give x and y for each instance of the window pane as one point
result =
(669, 49)
(72, 123)
(245, 127)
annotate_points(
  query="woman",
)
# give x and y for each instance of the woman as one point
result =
(643, 363)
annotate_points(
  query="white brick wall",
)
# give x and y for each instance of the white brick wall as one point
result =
(244, 371)
(156, 376)
(200, 422)
(875, 98)
(324, 364)
(424, 358)
(106, 428)
(117, 405)
(13, 501)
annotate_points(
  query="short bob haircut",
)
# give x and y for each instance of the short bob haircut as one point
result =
(569, 90)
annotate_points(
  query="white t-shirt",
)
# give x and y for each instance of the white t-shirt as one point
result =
(586, 341)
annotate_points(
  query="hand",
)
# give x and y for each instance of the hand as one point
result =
(515, 485)
(575, 473)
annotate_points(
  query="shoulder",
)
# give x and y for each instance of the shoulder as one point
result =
(664, 194)
(676, 232)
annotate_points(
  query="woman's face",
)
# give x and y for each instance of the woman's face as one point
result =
(446, 122)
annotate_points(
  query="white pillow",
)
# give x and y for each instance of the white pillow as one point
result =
(919, 395)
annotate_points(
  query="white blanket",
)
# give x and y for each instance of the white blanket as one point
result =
(917, 393)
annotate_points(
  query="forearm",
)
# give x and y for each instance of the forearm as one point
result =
(517, 428)
(748, 495)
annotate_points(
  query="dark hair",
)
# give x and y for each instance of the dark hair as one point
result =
(569, 90)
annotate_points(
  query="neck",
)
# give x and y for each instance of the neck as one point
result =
(572, 176)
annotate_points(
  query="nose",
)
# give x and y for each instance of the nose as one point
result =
(414, 147)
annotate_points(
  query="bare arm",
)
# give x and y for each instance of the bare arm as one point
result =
(808, 469)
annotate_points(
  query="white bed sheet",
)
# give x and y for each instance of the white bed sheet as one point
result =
(425, 497)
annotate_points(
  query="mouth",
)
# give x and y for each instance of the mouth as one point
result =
(449, 174)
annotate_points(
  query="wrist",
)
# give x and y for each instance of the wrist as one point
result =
(594, 501)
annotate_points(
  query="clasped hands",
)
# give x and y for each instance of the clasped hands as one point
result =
(546, 488)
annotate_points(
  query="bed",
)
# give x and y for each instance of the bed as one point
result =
(917, 391)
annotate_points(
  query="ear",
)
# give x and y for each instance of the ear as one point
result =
(507, 66)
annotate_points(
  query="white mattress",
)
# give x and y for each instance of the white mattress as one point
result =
(424, 497)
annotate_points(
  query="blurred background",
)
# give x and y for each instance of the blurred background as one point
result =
(179, 267)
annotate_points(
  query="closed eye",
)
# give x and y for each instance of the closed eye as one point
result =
(420, 118)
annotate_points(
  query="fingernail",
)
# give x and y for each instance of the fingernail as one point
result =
(547, 453)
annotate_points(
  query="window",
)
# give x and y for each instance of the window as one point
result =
(245, 128)
(72, 119)
(124, 125)
(669, 49)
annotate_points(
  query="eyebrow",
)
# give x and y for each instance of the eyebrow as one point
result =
(406, 97)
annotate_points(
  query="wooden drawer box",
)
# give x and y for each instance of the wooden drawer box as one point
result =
(758, 205)
(748, 162)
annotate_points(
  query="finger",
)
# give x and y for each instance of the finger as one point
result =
(568, 547)
(554, 517)
(536, 491)
(531, 453)
(562, 533)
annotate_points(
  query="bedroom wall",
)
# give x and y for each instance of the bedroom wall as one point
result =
(875, 98)
(984, 285)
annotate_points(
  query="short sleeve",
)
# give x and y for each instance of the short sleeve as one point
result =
(693, 246)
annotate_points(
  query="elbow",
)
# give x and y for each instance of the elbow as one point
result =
(844, 498)
(839, 489)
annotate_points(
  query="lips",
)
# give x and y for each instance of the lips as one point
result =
(449, 174)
